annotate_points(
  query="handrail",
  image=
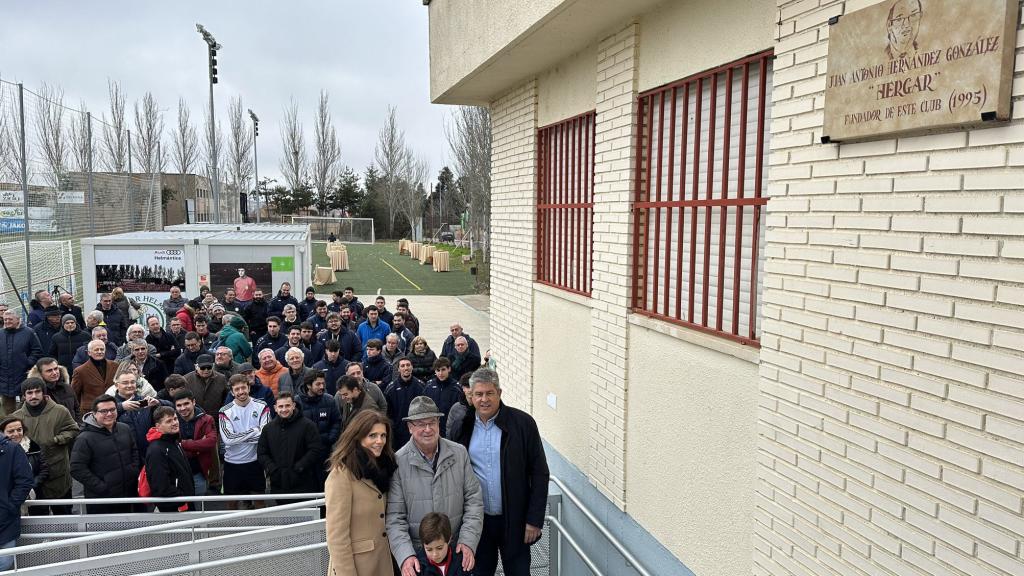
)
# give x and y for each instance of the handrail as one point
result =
(157, 528)
(604, 531)
(197, 530)
(154, 500)
(572, 542)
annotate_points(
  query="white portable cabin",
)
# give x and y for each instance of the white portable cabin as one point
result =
(147, 264)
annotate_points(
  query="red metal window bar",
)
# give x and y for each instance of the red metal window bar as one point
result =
(700, 178)
(565, 203)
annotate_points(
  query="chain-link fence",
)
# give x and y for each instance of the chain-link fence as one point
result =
(64, 175)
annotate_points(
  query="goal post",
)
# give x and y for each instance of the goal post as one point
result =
(52, 263)
(347, 230)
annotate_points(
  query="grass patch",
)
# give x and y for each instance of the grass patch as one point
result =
(379, 267)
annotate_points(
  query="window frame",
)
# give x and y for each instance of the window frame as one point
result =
(565, 204)
(646, 208)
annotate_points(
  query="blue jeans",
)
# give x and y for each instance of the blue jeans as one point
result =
(7, 562)
(199, 480)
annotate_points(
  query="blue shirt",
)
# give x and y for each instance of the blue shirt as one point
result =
(485, 456)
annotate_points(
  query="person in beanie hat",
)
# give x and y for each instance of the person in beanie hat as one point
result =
(307, 307)
(46, 329)
(65, 343)
(429, 464)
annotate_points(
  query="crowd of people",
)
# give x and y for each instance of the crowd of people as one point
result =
(425, 470)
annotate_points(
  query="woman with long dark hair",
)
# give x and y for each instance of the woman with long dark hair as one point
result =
(360, 470)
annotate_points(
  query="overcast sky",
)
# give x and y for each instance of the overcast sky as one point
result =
(366, 53)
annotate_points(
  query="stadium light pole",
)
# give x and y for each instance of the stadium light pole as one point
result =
(255, 163)
(212, 46)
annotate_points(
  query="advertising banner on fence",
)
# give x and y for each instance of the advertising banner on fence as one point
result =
(71, 197)
(12, 197)
(145, 274)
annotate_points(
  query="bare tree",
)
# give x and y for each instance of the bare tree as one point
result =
(412, 189)
(81, 138)
(239, 156)
(185, 144)
(115, 133)
(390, 157)
(50, 133)
(326, 155)
(149, 130)
(10, 137)
(293, 163)
(469, 139)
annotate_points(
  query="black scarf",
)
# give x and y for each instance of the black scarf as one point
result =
(100, 365)
(379, 471)
(36, 410)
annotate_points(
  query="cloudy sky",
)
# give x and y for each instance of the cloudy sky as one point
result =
(366, 53)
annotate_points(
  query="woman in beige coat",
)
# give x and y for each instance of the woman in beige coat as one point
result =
(360, 473)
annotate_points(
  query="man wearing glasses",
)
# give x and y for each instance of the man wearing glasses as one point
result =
(902, 27)
(149, 366)
(432, 465)
(104, 458)
(208, 386)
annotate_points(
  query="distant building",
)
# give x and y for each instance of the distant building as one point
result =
(190, 199)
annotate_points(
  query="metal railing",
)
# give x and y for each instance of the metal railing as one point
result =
(194, 553)
(563, 533)
(171, 542)
(81, 502)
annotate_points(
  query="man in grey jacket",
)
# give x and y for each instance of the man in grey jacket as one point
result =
(433, 475)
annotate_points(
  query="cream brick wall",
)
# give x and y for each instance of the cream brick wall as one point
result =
(891, 422)
(613, 185)
(513, 212)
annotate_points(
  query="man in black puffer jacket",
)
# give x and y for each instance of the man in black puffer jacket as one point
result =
(116, 322)
(289, 450)
(19, 350)
(375, 368)
(320, 409)
(399, 395)
(65, 343)
(48, 328)
(167, 470)
(105, 459)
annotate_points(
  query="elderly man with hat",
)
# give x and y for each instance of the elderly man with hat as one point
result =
(429, 464)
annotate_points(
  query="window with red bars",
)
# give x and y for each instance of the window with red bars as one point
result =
(565, 203)
(698, 230)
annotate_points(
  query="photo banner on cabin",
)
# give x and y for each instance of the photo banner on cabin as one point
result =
(145, 274)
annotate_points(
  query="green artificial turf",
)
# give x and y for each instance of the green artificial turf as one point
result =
(368, 272)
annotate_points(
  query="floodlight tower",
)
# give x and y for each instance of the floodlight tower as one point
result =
(255, 164)
(212, 46)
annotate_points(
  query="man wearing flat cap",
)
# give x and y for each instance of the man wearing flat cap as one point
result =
(433, 475)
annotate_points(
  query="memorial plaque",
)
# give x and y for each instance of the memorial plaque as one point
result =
(918, 65)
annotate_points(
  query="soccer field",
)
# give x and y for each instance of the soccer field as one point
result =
(379, 267)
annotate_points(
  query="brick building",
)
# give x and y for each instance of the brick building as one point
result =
(191, 200)
(756, 352)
